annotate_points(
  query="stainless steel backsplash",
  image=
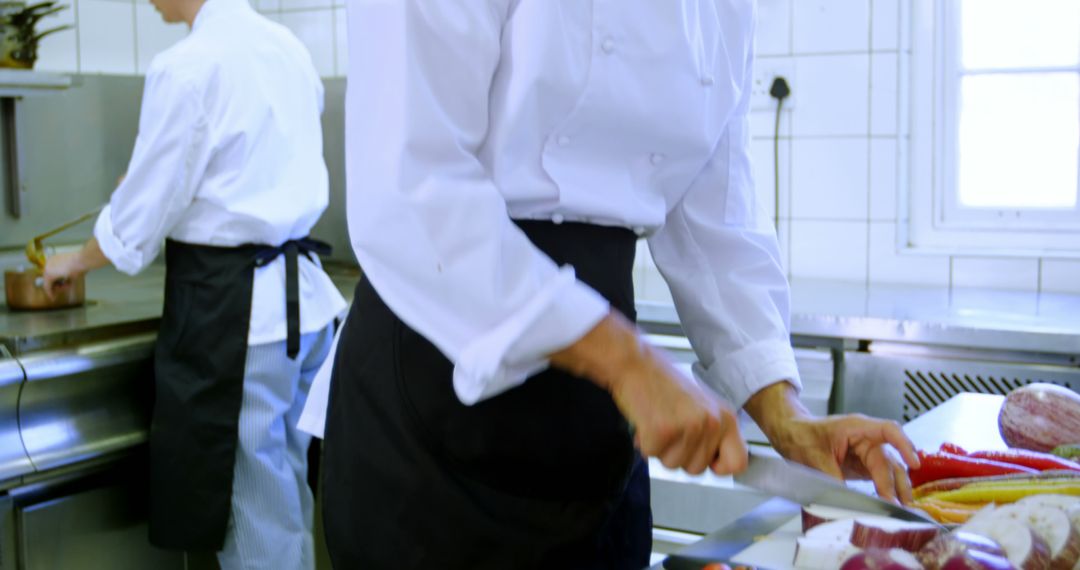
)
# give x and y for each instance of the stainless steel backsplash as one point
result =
(73, 145)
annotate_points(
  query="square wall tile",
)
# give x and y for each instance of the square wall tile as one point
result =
(884, 179)
(107, 37)
(885, 25)
(829, 26)
(832, 95)
(889, 265)
(996, 273)
(315, 28)
(153, 35)
(884, 93)
(829, 179)
(828, 250)
(774, 27)
(59, 52)
(341, 42)
(1061, 276)
(762, 153)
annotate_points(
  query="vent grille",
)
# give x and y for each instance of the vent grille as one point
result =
(924, 390)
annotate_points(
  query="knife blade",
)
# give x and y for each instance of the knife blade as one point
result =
(805, 486)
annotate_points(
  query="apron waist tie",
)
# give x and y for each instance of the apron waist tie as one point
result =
(292, 249)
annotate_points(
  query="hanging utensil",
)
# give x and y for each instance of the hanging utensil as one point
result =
(35, 252)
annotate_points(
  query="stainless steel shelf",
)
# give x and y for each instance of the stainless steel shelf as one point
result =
(24, 83)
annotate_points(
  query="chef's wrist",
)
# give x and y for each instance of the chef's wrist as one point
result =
(607, 354)
(775, 408)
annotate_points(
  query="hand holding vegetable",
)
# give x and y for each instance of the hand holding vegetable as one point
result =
(853, 446)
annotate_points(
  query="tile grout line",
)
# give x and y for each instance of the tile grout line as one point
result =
(869, 129)
(78, 37)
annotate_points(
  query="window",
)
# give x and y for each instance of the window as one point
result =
(995, 141)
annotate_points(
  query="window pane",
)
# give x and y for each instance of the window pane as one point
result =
(1018, 141)
(1019, 33)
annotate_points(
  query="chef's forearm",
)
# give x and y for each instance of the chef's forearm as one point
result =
(91, 257)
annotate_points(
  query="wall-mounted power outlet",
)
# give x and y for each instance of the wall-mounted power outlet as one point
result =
(766, 70)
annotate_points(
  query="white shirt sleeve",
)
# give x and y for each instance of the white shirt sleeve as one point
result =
(428, 225)
(719, 255)
(162, 176)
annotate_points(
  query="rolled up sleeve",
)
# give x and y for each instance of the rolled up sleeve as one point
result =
(719, 254)
(162, 176)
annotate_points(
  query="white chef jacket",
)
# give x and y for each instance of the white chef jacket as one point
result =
(465, 114)
(229, 152)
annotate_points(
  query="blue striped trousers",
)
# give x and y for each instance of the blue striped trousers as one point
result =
(272, 505)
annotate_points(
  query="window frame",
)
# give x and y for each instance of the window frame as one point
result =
(935, 220)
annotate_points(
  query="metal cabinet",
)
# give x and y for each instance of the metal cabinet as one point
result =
(87, 401)
(13, 458)
(903, 382)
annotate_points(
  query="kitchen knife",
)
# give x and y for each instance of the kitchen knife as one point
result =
(805, 486)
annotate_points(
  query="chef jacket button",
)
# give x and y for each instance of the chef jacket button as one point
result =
(564, 140)
(608, 45)
(656, 158)
(557, 219)
(640, 231)
(707, 81)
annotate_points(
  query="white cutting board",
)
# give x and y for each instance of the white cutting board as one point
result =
(776, 551)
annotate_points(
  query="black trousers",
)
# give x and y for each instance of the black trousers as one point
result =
(542, 476)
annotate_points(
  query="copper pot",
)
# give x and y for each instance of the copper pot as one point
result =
(23, 288)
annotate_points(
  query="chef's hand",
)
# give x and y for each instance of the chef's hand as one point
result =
(61, 268)
(850, 445)
(676, 419)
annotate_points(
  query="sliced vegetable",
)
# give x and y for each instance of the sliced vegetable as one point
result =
(1053, 526)
(882, 559)
(978, 560)
(814, 554)
(1001, 493)
(1040, 417)
(952, 550)
(1033, 459)
(814, 515)
(947, 513)
(1070, 505)
(1044, 477)
(937, 466)
(886, 533)
(1024, 548)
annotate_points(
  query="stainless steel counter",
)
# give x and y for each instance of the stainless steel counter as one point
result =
(968, 318)
(117, 305)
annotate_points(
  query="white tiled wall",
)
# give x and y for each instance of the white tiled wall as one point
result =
(843, 155)
(121, 37)
(843, 147)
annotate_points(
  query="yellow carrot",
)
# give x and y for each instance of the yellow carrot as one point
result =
(976, 493)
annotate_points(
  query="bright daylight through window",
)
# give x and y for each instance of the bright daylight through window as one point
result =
(995, 147)
(1018, 104)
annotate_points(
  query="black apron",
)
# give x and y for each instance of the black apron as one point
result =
(199, 372)
(542, 476)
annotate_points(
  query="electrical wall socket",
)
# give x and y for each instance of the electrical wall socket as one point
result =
(765, 71)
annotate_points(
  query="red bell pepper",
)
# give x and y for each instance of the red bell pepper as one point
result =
(1027, 458)
(953, 449)
(940, 465)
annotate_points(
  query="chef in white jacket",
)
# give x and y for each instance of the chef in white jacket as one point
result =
(503, 159)
(228, 171)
